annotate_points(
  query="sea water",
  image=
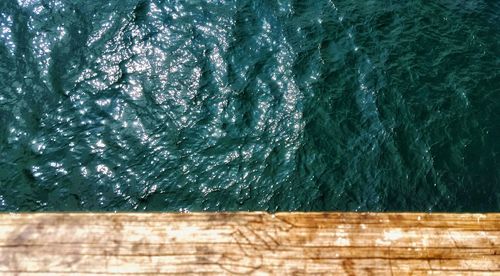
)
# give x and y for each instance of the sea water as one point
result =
(210, 105)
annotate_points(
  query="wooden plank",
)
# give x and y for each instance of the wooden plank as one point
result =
(249, 243)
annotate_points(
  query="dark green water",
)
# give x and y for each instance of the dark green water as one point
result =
(250, 105)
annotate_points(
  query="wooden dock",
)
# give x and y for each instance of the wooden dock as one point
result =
(249, 243)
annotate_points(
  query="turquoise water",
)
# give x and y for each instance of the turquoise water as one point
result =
(250, 105)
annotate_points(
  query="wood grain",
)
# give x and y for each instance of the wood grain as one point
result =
(249, 243)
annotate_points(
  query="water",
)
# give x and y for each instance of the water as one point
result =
(249, 105)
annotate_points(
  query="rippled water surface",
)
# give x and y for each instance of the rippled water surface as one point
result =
(250, 105)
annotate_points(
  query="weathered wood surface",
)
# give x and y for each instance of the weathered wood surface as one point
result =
(246, 243)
